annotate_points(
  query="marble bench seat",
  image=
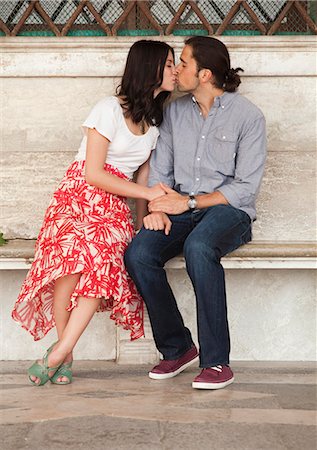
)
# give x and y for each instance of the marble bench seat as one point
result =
(18, 254)
(263, 329)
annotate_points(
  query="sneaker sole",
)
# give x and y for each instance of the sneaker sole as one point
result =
(199, 385)
(164, 376)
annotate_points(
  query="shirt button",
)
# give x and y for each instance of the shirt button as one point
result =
(223, 137)
(197, 179)
(198, 159)
(203, 137)
(222, 107)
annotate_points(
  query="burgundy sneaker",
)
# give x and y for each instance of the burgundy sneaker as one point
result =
(216, 377)
(172, 367)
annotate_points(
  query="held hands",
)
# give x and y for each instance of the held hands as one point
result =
(166, 202)
(157, 221)
(170, 203)
(155, 192)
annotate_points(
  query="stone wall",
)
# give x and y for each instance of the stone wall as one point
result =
(48, 86)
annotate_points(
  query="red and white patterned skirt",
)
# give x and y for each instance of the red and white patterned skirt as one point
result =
(86, 230)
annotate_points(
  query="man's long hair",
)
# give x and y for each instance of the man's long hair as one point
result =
(210, 53)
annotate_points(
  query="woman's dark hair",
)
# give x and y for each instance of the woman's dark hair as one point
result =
(143, 74)
(210, 53)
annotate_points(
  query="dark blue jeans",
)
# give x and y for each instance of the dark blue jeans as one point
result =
(204, 236)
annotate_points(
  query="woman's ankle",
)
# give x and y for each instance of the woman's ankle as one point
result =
(57, 357)
(69, 358)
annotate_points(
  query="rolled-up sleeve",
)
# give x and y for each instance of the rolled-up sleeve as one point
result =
(250, 160)
(162, 159)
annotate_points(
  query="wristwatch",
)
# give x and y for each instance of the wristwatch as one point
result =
(192, 203)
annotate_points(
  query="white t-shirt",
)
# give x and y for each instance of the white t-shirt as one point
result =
(126, 151)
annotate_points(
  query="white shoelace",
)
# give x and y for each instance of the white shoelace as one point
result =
(218, 368)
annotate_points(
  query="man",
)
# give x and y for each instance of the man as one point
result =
(210, 156)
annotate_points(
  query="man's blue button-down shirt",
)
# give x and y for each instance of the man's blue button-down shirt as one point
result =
(223, 152)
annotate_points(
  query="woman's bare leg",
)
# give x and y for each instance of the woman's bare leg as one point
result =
(78, 320)
(63, 289)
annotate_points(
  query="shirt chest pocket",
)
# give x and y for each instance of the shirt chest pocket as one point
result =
(224, 145)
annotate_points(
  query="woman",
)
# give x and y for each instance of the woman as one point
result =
(78, 265)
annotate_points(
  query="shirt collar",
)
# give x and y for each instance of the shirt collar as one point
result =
(225, 99)
(222, 101)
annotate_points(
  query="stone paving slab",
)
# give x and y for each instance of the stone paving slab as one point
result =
(115, 407)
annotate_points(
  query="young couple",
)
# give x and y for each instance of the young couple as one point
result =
(195, 194)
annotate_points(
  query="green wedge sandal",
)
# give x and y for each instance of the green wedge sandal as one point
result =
(41, 370)
(65, 370)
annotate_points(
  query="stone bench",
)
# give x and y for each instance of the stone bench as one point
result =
(18, 254)
(263, 329)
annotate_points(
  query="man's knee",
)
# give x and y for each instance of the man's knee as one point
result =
(198, 251)
(138, 252)
(131, 255)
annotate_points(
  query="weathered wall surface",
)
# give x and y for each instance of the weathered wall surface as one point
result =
(47, 88)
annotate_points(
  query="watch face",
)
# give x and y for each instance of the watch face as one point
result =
(192, 203)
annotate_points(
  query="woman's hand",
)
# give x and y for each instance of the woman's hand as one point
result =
(155, 192)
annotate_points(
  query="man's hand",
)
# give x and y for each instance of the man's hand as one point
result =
(171, 203)
(157, 221)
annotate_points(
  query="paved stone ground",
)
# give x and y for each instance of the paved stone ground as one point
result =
(114, 407)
